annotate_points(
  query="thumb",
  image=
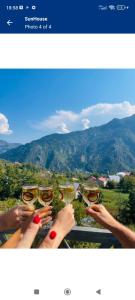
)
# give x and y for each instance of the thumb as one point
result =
(91, 212)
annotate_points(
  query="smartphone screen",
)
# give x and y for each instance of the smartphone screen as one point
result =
(67, 149)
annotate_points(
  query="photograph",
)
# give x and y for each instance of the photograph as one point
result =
(67, 158)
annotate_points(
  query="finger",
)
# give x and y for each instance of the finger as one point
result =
(30, 233)
(96, 207)
(45, 214)
(90, 211)
(24, 220)
(26, 214)
(46, 211)
(26, 207)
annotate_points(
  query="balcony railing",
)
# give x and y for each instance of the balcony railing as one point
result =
(81, 234)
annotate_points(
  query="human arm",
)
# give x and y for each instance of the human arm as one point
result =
(125, 235)
(62, 226)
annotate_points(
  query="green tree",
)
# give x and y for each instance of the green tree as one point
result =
(127, 210)
(111, 184)
(127, 183)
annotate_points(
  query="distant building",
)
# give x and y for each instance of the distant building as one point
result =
(102, 181)
(122, 174)
(115, 178)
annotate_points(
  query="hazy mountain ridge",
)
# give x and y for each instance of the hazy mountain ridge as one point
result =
(5, 146)
(110, 147)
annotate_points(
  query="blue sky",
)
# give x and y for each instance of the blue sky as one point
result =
(34, 103)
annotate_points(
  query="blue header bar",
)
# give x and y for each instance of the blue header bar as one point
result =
(67, 16)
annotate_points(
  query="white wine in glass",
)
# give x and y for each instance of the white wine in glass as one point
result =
(29, 194)
(91, 193)
(67, 193)
(45, 195)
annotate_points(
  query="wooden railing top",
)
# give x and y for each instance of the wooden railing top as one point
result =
(81, 234)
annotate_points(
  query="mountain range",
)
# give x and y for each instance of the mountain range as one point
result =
(5, 146)
(109, 147)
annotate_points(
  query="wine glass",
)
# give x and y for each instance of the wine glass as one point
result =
(90, 192)
(67, 193)
(45, 197)
(29, 194)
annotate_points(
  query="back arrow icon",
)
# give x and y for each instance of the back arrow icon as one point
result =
(9, 23)
(98, 292)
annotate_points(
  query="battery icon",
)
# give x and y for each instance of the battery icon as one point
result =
(122, 7)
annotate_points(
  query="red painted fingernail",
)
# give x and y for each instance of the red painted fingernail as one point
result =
(36, 219)
(52, 235)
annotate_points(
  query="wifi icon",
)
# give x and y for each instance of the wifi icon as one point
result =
(111, 7)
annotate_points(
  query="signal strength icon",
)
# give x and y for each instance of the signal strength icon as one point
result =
(102, 7)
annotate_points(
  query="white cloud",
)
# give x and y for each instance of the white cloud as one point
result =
(4, 125)
(61, 122)
(114, 109)
(62, 128)
(65, 121)
(86, 123)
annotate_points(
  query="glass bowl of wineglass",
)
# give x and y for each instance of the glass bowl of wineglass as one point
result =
(67, 192)
(45, 195)
(29, 194)
(91, 194)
